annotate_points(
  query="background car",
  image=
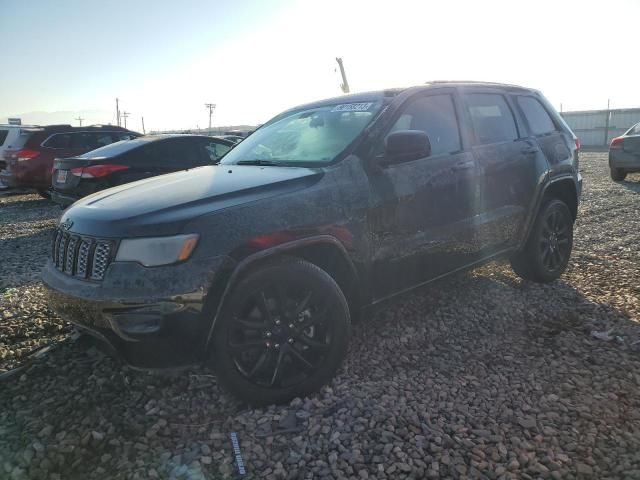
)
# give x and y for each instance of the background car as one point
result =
(231, 138)
(624, 154)
(125, 162)
(30, 158)
(10, 137)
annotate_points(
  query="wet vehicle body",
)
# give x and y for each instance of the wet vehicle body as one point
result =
(128, 161)
(624, 154)
(327, 210)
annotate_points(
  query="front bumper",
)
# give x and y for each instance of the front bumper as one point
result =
(152, 318)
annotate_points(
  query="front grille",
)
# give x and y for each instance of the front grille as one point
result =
(80, 256)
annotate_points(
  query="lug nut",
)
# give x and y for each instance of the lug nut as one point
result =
(291, 325)
(268, 334)
(277, 345)
(277, 321)
(268, 344)
(290, 340)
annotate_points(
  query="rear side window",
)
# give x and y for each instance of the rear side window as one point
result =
(58, 140)
(176, 153)
(537, 117)
(435, 115)
(491, 118)
(635, 130)
(3, 136)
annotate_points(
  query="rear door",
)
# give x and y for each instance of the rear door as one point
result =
(541, 129)
(631, 142)
(508, 169)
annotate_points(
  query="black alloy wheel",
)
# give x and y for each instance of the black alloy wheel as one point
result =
(546, 254)
(555, 240)
(284, 333)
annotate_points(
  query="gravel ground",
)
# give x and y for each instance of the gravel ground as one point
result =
(479, 376)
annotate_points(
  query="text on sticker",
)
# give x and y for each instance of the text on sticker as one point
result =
(352, 107)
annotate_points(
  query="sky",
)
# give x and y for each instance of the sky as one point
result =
(165, 59)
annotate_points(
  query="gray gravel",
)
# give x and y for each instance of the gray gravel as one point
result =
(479, 376)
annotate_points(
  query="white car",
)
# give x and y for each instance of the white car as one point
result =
(12, 136)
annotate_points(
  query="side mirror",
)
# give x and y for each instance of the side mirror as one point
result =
(406, 145)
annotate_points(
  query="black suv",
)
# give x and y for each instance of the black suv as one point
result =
(258, 264)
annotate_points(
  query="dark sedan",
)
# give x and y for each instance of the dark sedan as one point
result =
(624, 154)
(128, 161)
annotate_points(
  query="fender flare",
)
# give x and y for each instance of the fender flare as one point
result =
(533, 213)
(249, 261)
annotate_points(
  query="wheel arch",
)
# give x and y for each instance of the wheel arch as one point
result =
(324, 251)
(563, 188)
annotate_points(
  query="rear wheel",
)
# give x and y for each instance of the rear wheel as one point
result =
(44, 193)
(282, 334)
(546, 254)
(618, 174)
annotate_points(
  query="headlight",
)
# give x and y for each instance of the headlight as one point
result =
(152, 252)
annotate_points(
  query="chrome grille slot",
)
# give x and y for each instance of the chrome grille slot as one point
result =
(100, 260)
(62, 248)
(70, 258)
(83, 257)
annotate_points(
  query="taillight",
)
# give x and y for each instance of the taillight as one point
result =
(22, 155)
(578, 144)
(97, 171)
(616, 143)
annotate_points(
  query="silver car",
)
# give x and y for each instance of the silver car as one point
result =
(624, 154)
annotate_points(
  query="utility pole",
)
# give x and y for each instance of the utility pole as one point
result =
(143, 132)
(80, 120)
(125, 115)
(345, 85)
(117, 113)
(606, 123)
(211, 107)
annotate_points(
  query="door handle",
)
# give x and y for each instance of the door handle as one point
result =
(530, 150)
(465, 165)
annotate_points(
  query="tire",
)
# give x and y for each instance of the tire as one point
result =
(44, 194)
(546, 254)
(617, 174)
(282, 333)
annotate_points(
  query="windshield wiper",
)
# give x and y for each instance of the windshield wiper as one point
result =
(267, 163)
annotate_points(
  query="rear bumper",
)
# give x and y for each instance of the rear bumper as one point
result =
(63, 199)
(8, 179)
(158, 325)
(625, 160)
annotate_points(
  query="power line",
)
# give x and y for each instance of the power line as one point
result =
(211, 107)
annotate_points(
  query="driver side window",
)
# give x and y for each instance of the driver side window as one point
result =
(435, 115)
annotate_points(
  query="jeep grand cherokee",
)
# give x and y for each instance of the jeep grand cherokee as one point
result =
(258, 264)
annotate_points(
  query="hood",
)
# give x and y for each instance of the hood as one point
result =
(163, 205)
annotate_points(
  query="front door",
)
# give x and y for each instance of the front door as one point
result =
(421, 211)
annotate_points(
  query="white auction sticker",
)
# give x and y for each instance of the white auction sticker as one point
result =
(352, 107)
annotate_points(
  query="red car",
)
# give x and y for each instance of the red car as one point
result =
(29, 160)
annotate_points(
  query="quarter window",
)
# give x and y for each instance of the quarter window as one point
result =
(435, 115)
(491, 118)
(537, 117)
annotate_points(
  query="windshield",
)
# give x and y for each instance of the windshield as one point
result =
(311, 136)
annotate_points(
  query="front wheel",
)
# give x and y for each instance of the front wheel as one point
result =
(546, 254)
(283, 333)
(618, 174)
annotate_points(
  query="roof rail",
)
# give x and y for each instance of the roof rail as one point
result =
(475, 82)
